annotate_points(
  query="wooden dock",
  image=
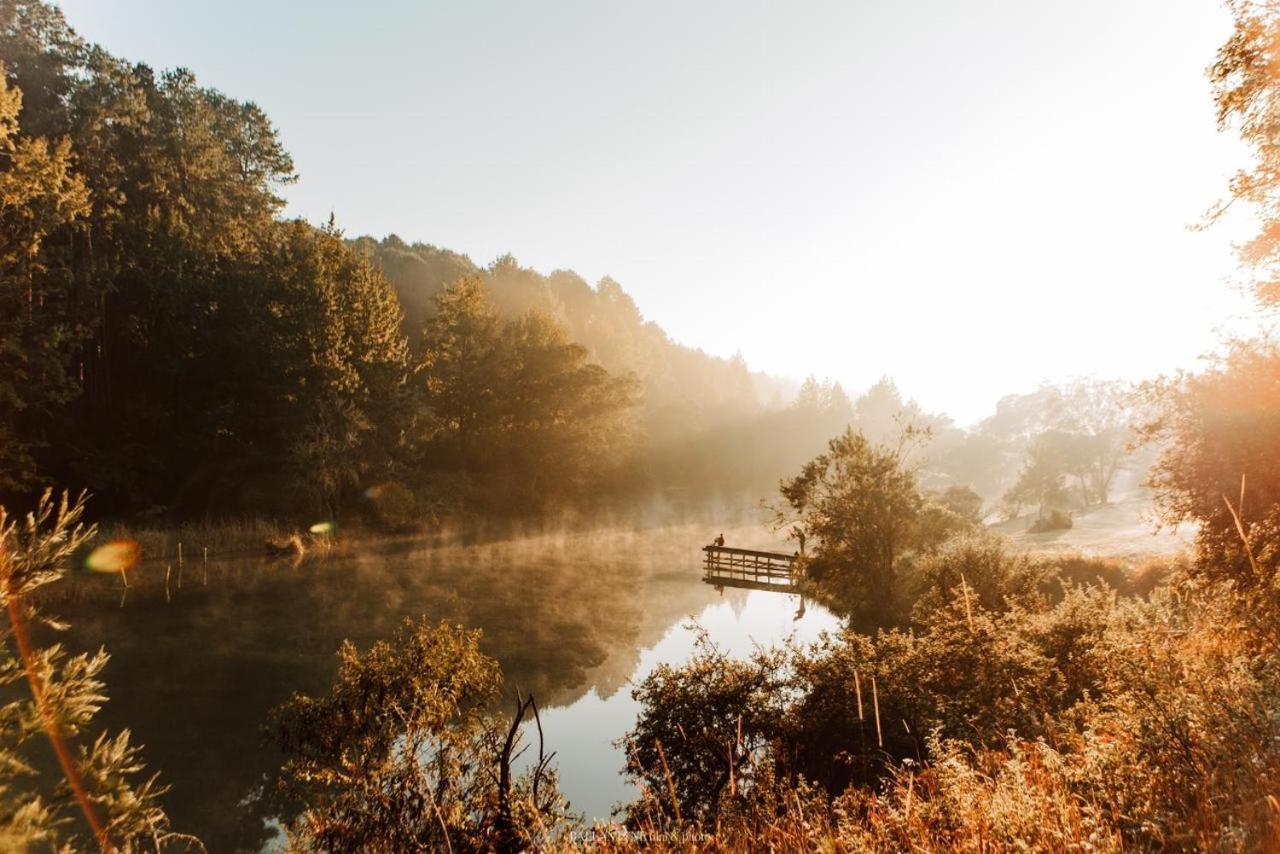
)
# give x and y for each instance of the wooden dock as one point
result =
(749, 569)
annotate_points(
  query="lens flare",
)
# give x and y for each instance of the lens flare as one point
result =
(322, 528)
(115, 556)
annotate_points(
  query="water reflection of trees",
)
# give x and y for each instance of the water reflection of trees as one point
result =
(195, 676)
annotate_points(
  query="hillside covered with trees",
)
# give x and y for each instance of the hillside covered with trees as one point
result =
(177, 347)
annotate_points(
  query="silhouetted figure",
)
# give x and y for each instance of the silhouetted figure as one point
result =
(797, 533)
(719, 541)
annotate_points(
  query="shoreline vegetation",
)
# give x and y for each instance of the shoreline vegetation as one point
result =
(193, 547)
(862, 740)
(156, 309)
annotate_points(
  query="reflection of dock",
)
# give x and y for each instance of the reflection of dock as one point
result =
(726, 567)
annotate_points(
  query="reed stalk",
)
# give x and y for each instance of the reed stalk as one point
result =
(875, 702)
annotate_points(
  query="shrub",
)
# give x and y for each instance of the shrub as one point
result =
(1099, 723)
(1085, 569)
(701, 727)
(962, 500)
(981, 564)
(860, 505)
(1054, 520)
(393, 507)
(102, 778)
(403, 753)
(1216, 427)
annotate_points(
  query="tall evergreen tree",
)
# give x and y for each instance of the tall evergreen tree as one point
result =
(459, 367)
(39, 196)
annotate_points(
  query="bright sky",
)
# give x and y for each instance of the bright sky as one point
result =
(968, 196)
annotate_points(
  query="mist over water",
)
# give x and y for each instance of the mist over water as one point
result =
(572, 616)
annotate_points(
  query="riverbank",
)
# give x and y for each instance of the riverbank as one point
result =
(253, 536)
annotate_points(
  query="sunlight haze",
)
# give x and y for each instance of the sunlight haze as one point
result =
(970, 197)
(683, 428)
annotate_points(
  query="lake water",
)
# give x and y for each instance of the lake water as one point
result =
(574, 618)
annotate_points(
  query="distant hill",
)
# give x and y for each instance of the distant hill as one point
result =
(684, 388)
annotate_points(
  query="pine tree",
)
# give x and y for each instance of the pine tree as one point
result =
(459, 368)
(39, 194)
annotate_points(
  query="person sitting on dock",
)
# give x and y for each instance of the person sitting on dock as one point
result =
(718, 542)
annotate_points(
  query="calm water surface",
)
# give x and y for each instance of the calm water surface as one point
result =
(573, 618)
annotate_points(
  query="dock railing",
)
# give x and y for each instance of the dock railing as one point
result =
(730, 567)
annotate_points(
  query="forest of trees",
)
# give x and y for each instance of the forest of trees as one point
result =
(177, 347)
(174, 345)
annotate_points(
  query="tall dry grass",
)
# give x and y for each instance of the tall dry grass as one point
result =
(230, 538)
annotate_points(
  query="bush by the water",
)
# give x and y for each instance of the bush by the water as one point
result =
(393, 507)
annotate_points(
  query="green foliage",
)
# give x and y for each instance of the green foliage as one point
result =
(394, 507)
(701, 728)
(180, 185)
(1221, 458)
(565, 421)
(103, 782)
(516, 408)
(859, 505)
(684, 390)
(1156, 760)
(698, 423)
(1246, 95)
(850, 709)
(403, 753)
(39, 195)
(337, 362)
(459, 368)
(936, 524)
(1101, 415)
(979, 566)
(962, 500)
(184, 350)
(1042, 482)
(1123, 576)
(171, 342)
(1086, 722)
(1084, 423)
(1080, 440)
(1005, 716)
